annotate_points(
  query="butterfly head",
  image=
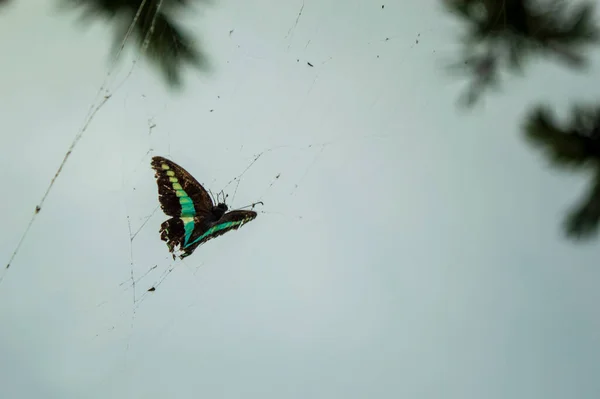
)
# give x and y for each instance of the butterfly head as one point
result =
(219, 210)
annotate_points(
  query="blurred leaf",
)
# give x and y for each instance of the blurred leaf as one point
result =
(576, 145)
(164, 43)
(582, 221)
(515, 30)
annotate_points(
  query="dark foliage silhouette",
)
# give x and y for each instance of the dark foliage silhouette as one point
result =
(506, 32)
(165, 43)
(575, 146)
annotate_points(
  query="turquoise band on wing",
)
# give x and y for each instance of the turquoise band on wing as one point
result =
(187, 211)
(187, 205)
(214, 229)
(187, 227)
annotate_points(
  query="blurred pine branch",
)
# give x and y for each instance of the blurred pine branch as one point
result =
(167, 46)
(509, 32)
(575, 146)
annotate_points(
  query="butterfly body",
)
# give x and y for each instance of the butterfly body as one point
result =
(195, 219)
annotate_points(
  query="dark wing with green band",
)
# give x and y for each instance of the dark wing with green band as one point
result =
(180, 195)
(194, 217)
(173, 232)
(230, 221)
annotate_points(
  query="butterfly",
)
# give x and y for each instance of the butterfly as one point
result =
(195, 218)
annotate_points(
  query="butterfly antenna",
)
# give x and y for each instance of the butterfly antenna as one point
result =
(212, 196)
(252, 205)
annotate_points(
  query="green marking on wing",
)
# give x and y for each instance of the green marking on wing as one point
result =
(188, 211)
(187, 214)
(216, 228)
(188, 226)
(187, 207)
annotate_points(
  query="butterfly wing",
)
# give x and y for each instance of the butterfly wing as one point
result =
(230, 221)
(184, 199)
(180, 195)
(173, 232)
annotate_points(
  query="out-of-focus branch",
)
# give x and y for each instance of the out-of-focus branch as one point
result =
(510, 31)
(165, 43)
(576, 145)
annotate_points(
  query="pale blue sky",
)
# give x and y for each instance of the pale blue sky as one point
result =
(417, 255)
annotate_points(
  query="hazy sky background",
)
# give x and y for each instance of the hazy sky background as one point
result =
(407, 250)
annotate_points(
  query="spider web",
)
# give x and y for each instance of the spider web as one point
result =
(143, 223)
(271, 176)
(252, 172)
(102, 96)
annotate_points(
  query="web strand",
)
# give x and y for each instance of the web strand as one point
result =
(90, 116)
